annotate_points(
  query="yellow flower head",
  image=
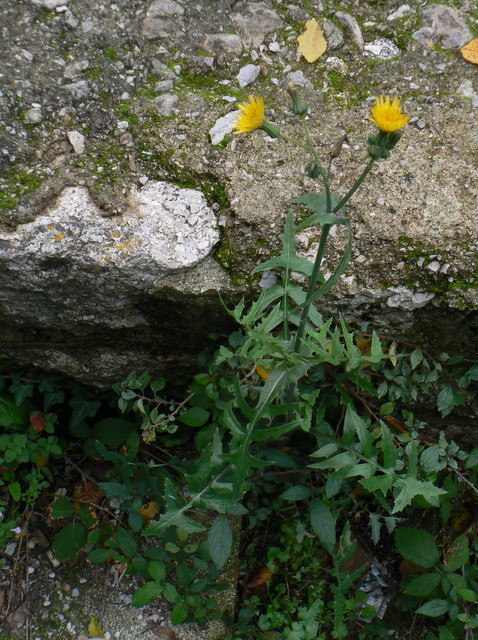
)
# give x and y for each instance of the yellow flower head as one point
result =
(253, 115)
(387, 115)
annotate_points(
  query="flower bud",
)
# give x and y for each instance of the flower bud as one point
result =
(312, 169)
(272, 130)
(381, 143)
(299, 106)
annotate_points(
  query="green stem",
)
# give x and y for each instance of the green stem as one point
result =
(310, 290)
(355, 186)
(323, 174)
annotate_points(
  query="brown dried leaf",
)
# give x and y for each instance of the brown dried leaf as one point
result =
(38, 421)
(261, 577)
(161, 632)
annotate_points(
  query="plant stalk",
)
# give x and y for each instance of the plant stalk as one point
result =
(354, 187)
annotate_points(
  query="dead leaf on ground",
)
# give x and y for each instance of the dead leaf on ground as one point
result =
(94, 629)
(464, 517)
(38, 538)
(149, 510)
(86, 491)
(161, 632)
(258, 579)
(312, 43)
(38, 421)
(470, 51)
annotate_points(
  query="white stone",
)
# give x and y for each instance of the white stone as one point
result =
(73, 70)
(77, 141)
(33, 116)
(433, 266)
(50, 4)
(247, 75)
(298, 77)
(223, 126)
(466, 90)
(78, 89)
(381, 48)
(402, 11)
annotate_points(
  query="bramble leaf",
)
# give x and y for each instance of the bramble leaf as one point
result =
(417, 546)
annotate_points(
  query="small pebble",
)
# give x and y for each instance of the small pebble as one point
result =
(75, 593)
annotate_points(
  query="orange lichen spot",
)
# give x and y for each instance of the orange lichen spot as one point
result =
(115, 234)
(125, 244)
(58, 237)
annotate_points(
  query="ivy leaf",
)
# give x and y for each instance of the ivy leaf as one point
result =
(146, 594)
(458, 555)
(194, 417)
(296, 493)
(82, 409)
(10, 414)
(126, 542)
(61, 508)
(179, 613)
(445, 403)
(417, 546)
(434, 608)
(69, 541)
(421, 586)
(323, 524)
(472, 460)
(116, 490)
(113, 431)
(219, 541)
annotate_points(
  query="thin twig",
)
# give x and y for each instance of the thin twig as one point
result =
(460, 475)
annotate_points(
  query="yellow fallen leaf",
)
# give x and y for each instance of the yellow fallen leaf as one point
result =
(263, 373)
(470, 51)
(94, 629)
(312, 43)
(391, 352)
(149, 510)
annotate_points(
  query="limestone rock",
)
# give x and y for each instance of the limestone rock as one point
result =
(223, 43)
(443, 25)
(247, 75)
(163, 18)
(254, 20)
(77, 268)
(352, 27)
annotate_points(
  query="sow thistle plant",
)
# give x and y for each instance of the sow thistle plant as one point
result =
(287, 377)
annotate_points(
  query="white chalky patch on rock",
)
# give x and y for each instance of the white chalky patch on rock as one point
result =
(405, 299)
(165, 229)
